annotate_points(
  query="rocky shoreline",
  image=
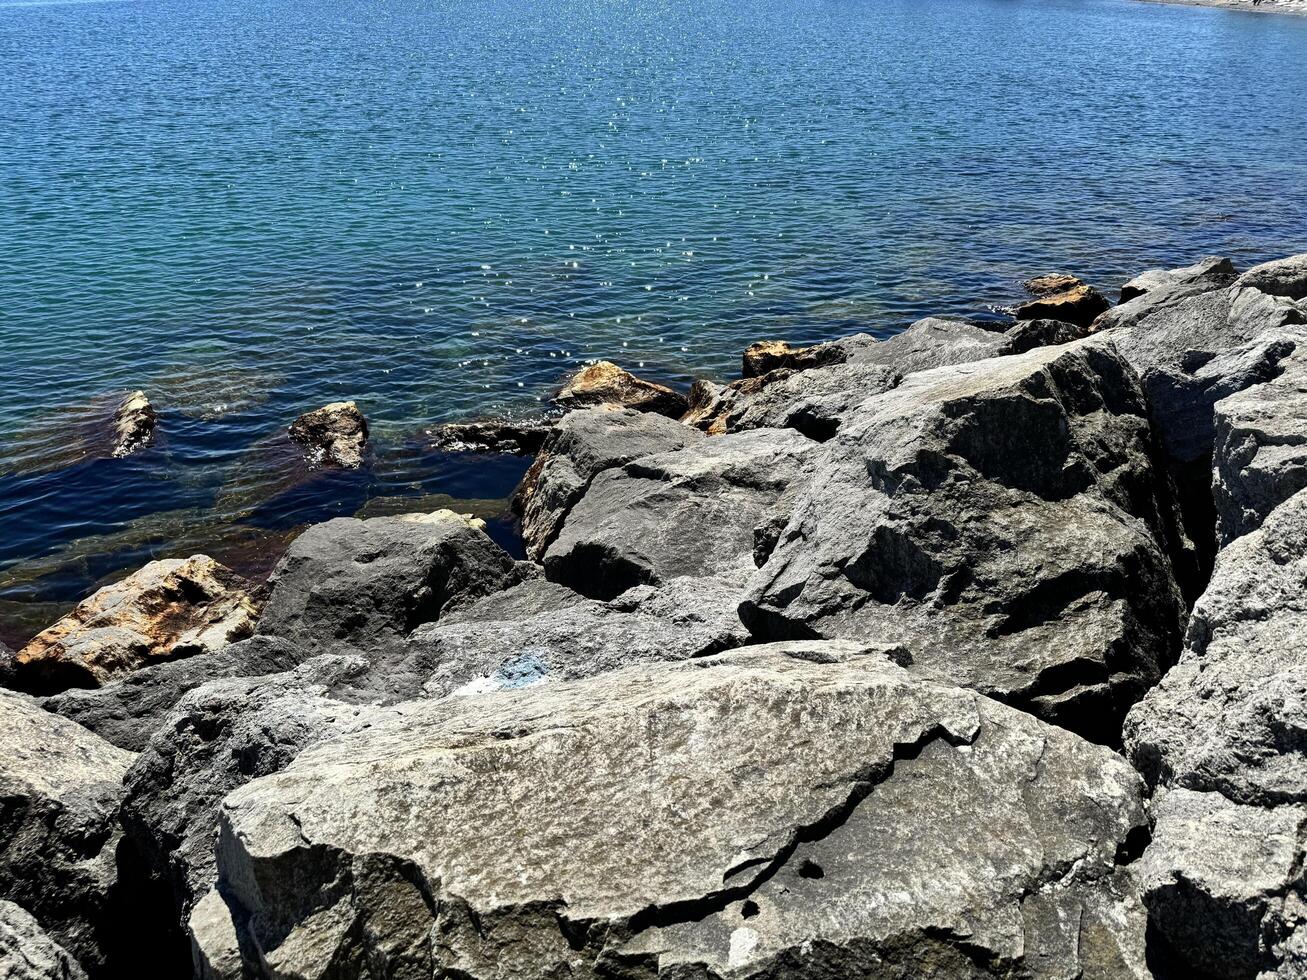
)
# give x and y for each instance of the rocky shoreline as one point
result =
(973, 652)
(1297, 7)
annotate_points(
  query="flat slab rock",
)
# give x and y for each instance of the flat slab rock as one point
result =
(794, 810)
(1003, 519)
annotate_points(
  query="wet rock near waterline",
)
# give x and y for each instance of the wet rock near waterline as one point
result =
(1080, 304)
(583, 444)
(794, 810)
(60, 790)
(171, 608)
(1005, 520)
(1050, 284)
(1212, 272)
(519, 437)
(350, 585)
(133, 425)
(693, 512)
(335, 434)
(604, 383)
(765, 356)
(28, 953)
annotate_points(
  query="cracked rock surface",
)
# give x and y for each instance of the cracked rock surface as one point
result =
(28, 953)
(1005, 519)
(618, 826)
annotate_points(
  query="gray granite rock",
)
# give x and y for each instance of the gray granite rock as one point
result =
(60, 789)
(28, 953)
(1212, 272)
(1259, 458)
(798, 810)
(1283, 277)
(1223, 884)
(697, 512)
(1005, 520)
(584, 444)
(364, 585)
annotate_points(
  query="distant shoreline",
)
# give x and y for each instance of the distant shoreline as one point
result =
(1292, 7)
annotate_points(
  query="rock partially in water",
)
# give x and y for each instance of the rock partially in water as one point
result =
(1051, 284)
(133, 425)
(350, 585)
(604, 383)
(61, 787)
(582, 445)
(28, 953)
(1080, 304)
(694, 512)
(1005, 520)
(334, 434)
(171, 608)
(799, 810)
(522, 437)
(765, 356)
(1212, 272)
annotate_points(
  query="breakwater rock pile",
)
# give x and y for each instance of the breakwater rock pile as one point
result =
(974, 652)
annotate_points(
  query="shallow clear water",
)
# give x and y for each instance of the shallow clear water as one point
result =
(250, 208)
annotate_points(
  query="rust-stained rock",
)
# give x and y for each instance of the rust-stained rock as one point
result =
(1079, 305)
(172, 608)
(1051, 284)
(768, 355)
(334, 434)
(133, 425)
(604, 383)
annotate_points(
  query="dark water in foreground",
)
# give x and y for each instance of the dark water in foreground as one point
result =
(250, 208)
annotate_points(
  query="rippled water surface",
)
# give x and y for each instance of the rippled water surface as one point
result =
(250, 208)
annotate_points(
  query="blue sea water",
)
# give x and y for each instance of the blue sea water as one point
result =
(252, 207)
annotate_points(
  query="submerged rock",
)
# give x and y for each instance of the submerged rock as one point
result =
(169, 609)
(335, 434)
(798, 810)
(1005, 520)
(60, 789)
(28, 953)
(350, 585)
(584, 444)
(133, 425)
(522, 437)
(604, 383)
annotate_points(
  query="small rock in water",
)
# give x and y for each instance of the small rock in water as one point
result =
(334, 434)
(133, 425)
(1079, 304)
(521, 438)
(1051, 284)
(604, 383)
(171, 608)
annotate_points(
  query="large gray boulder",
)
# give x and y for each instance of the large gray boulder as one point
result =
(1220, 738)
(702, 512)
(1005, 520)
(219, 737)
(816, 389)
(60, 790)
(28, 953)
(129, 711)
(351, 584)
(1259, 459)
(1223, 885)
(582, 445)
(1281, 277)
(799, 810)
(1212, 272)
